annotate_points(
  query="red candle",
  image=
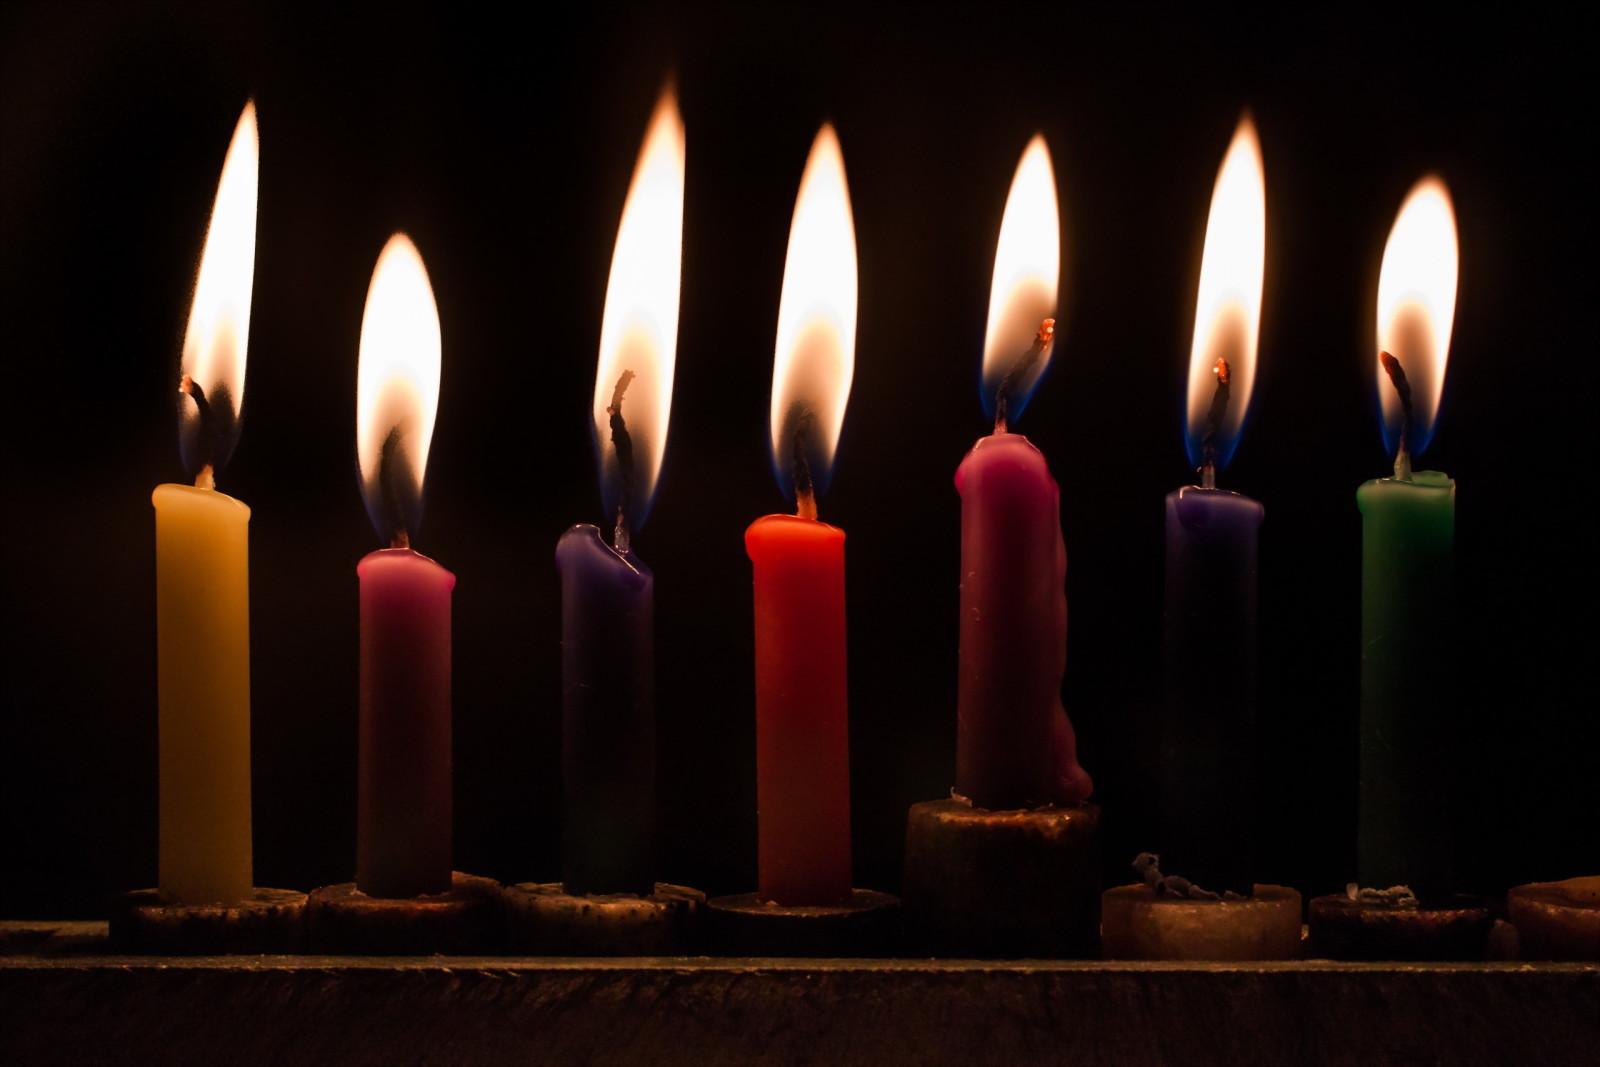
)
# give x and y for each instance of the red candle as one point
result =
(802, 728)
(403, 810)
(1015, 747)
(802, 732)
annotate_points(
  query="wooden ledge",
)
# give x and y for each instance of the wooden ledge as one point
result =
(63, 999)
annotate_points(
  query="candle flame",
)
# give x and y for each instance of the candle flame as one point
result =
(1416, 309)
(397, 389)
(1227, 322)
(815, 354)
(1027, 277)
(217, 338)
(639, 330)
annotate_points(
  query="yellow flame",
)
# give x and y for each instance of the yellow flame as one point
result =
(1417, 301)
(1227, 322)
(397, 380)
(1027, 266)
(815, 356)
(215, 344)
(639, 330)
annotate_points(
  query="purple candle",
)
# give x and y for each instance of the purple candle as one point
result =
(607, 593)
(1014, 744)
(1207, 735)
(403, 810)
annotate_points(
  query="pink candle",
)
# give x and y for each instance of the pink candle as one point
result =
(1014, 744)
(1012, 730)
(403, 832)
(403, 817)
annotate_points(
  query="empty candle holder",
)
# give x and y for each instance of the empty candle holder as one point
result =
(866, 924)
(1139, 923)
(1557, 920)
(465, 920)
(1002, 883)
(1374, 925)
(543, 919)
(270, 921)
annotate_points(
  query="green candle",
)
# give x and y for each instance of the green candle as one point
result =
(1407, 557)
(1407, 534)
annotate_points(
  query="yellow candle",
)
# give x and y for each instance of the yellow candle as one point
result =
(203, 650)
(203, 571)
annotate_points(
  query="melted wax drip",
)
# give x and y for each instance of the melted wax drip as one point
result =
(1147, 866)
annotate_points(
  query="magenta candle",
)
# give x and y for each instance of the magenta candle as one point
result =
(1015, 747)
(403, 805)
(403, 831)
(1011, 722)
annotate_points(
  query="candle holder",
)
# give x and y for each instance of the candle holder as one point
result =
(543, 919)
(271, 921)
(1557, 920)
(466, 920)
(1002, 883)
(1137, 923)
(1451, 928)
(743, 924)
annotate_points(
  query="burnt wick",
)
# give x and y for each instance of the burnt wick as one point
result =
(393, 511)
(1021, 367)
(1147, 866)
(800, 423)
(1397, 377)
(622, 442)
(205, 477)
(1214, 418)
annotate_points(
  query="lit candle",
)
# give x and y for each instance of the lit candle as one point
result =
(607, 592)
(1207, 734)
(202, 571)
(403, 808)
(1015, 746)
(1407, 554)
(802, 702)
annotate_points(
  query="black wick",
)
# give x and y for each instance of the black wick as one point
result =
(622, 441)
(1020, 369)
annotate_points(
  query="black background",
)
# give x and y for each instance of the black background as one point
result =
(505, 147)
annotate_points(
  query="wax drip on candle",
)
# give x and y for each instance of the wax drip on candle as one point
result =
(622, 441)
(1019, 370)
(799, 423)
(1397, 376)
(209, 438)
(1214, 417)
(389, 462)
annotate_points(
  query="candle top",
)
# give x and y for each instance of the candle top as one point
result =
(1227, 323)
(1023, 293)
(397, 389)
(639, 329)
(1416, 313)
(211, 394)
(815, 352)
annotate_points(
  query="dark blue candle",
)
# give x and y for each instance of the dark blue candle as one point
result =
(1209, 649)
(608, 716)
(607, 594)
(1209, 658)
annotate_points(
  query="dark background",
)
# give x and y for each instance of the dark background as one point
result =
(505, 149)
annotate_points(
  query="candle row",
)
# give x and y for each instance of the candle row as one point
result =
(1015, 744)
